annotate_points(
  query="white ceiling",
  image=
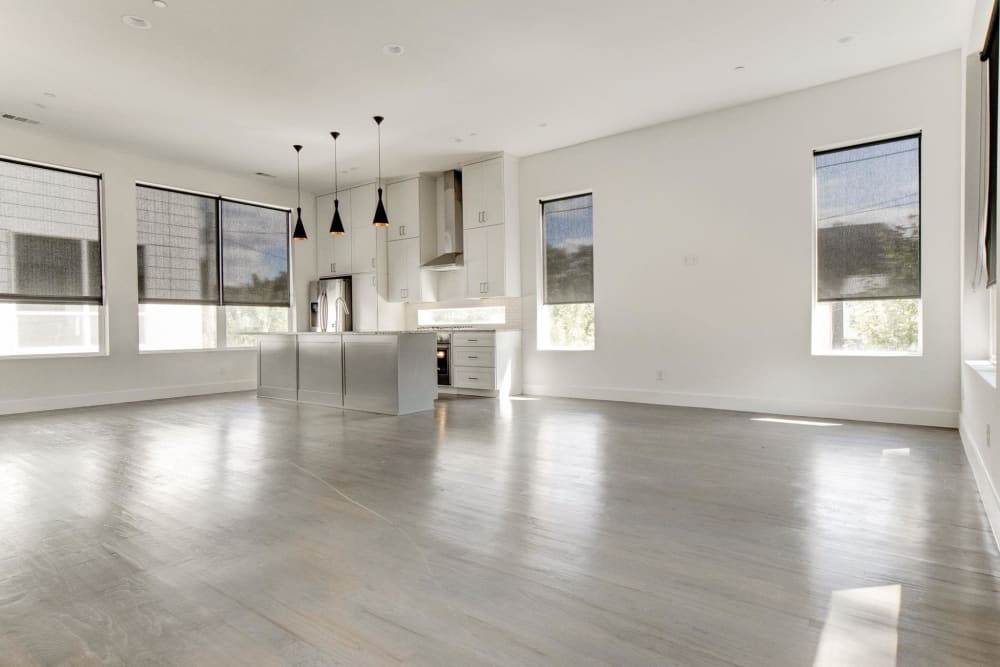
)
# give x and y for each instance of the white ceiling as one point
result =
(234, 83)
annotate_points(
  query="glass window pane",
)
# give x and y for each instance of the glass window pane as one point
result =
(868, 221)
(568, 228)
(51, 328)
(177, 326)
(254, 255)
(566, 327)
(243, 323)
(177, 256)
(50, 248)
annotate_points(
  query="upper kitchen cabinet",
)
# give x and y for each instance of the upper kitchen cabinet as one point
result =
(407, 283)
(362, 232)
(333, 253)
(484, 193)
(412, 206)
(491, 230)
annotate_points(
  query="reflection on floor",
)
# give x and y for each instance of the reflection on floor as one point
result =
(226, 530)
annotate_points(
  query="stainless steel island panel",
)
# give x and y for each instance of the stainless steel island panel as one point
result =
(371, 376)
(277, 367)
(321, 370)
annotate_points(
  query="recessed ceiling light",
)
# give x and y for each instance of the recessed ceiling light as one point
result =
(393, 49)
(739, 68)
(48, 94)
(136, 22)
(845, 39)
(160, 4)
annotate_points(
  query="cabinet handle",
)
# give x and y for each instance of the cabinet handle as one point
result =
(373, 262)
(403, 293)
(373, 281)
(333, 267)
(402, 229)
(472, 356)
(473, 340)
(485, 216)
(472, 378)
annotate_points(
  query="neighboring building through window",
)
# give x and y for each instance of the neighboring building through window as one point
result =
(212, 272)
(566, 311)
(51, 287)
(867, 298)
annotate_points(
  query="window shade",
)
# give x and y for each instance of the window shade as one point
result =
(178, 255)
(254, 255)
(50, 235)
(568, 229)
(868, 221)
(991, 54)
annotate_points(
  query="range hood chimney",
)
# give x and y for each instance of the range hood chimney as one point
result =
(449, 223)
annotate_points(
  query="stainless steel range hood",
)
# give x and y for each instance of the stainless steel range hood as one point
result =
(449, 223)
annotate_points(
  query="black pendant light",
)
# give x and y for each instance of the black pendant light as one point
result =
(381, 219)
(300, 230)
(336, 225)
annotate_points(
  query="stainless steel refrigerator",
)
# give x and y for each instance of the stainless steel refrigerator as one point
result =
(330, 305)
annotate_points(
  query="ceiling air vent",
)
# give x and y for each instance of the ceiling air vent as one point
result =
(20, 119)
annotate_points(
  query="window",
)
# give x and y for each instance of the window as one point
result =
(463, 317)
(51, 286)
(566, 312)
(212, 272)
(868, 249)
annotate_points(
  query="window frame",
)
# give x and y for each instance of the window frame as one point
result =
(102, 305)
(221, 330)
(815, 302)
(540, 265)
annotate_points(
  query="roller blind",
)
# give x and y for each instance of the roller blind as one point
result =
(50, 235)
(991, 55)
(868, 221)
(568, 230)
(178, 246)
(254, 255)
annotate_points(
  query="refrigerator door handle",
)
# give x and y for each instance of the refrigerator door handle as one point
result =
(324, 311)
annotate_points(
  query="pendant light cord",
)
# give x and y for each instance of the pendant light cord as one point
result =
(379, 155)
(298, 176)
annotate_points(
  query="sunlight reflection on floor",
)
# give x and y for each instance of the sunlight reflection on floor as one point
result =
(861, 628)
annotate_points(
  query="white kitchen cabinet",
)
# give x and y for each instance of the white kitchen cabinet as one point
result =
(472, 196)
(483, 193)
(475, 258)
(403, 206)
(486, 363)
(334, 253)
(364, 293)
(486, 261)
(363, 233)
(405, 275)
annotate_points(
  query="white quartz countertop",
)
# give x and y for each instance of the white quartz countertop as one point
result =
(344, 333)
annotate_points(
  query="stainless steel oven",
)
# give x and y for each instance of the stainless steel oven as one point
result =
(444, 358)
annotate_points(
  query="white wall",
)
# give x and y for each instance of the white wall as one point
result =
(734, 188)
(124, 374)
(980, 404)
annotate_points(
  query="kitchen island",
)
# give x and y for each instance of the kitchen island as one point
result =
(390, 372)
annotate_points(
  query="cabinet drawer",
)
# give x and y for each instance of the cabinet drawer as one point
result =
(473, 339)
(473, 378)
(474, 356)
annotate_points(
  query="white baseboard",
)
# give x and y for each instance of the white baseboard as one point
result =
(891, 414)
(987, 491)
(121, 396)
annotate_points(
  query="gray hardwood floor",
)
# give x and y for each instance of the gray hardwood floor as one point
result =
(231, 531)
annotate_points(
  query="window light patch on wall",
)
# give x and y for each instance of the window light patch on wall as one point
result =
(442, 317)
